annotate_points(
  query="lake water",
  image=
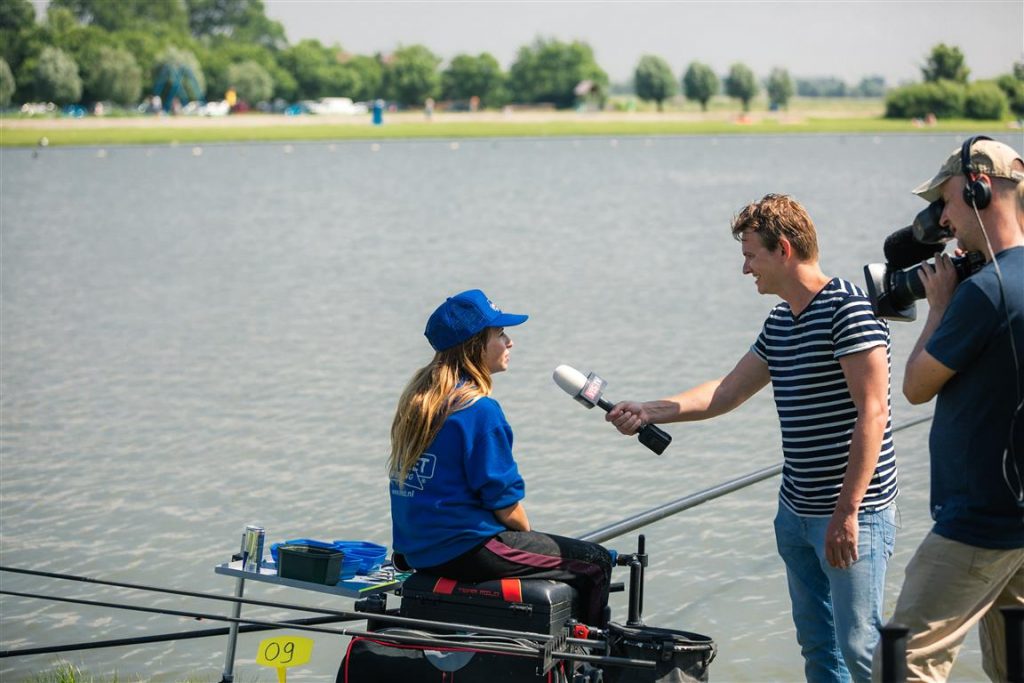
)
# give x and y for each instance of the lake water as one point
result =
(194, 339)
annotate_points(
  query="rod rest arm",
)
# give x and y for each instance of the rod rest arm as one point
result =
(627, 560)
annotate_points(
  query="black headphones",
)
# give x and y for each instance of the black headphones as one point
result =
(977, 190)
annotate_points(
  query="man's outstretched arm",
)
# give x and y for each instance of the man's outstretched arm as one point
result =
(705, 401)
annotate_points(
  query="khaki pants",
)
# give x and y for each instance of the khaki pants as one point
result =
(949, 587)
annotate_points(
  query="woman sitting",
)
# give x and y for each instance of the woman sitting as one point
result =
(456, 493)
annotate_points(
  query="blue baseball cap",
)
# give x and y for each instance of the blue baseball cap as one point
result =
(464, 315)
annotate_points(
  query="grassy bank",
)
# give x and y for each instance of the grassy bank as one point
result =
(624, 116)
(14, 134)
(65, 672)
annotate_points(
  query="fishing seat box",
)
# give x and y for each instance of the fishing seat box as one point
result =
(534, 605)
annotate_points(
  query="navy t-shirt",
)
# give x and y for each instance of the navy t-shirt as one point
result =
(971, 501)
(447, 505)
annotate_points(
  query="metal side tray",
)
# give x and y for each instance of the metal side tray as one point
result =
(359, 586)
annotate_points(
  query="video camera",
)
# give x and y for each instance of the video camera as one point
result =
(894, 286)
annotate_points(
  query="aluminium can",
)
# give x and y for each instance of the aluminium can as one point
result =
(252, 547)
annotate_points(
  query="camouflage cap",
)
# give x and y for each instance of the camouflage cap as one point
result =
(992, 158)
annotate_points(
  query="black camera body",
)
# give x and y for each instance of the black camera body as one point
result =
(893, 292)
(894, 286)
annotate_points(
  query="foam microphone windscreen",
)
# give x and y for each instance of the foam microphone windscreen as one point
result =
(569, 378)
(902, 250)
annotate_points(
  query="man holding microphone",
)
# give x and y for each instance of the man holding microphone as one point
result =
(827, 358)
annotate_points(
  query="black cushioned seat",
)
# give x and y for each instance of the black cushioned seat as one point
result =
(534, 605)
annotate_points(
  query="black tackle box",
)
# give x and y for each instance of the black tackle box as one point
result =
(534, 605)
(370, 659)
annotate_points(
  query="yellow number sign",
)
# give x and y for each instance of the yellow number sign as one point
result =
(283, 652)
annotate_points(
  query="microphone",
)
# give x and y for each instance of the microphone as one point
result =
(903, 250)
(588, 390)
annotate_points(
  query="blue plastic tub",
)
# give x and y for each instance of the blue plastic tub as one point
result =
(351, 564)
(371, 554)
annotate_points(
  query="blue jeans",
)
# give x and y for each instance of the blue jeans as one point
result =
(837, 612)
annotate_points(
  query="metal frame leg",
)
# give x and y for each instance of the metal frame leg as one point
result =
(1014, 618)
(229, 658)
(894, 653)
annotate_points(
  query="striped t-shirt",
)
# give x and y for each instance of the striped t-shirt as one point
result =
(816, 411)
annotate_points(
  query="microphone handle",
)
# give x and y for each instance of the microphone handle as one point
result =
(655, 438)
(651, 436)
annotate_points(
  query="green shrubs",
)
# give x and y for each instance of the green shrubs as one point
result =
(948, 100)
(115, 77)
(56, 77)
(7, 84)
(1014, 89)
(985, 100)
(946, 94)
(944, 99)
(252, 82)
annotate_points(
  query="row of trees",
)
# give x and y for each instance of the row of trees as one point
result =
(830, 86)
(654, 81)
(945, 91)
(117, 50)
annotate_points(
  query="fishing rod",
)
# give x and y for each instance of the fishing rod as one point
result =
(599, 535)
(673, 507)
(160, 638)
(339, 615)
(522, 647)
(692, 500)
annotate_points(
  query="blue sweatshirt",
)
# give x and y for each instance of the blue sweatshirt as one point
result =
(447, 505)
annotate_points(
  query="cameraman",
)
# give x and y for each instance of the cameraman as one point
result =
(970, 354)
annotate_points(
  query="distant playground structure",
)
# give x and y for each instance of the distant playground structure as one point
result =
(176, 82)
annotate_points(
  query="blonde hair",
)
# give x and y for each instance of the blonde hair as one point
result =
(777, 216)
(455, 379)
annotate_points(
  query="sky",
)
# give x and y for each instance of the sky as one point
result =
(843, 38)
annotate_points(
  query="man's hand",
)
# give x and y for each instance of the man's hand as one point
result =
(628, 417)
(925, 375)
(841, 540)
(939, 282)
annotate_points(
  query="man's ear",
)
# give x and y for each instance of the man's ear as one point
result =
(785, 247)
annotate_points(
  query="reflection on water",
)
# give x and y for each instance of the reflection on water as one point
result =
(191, 343)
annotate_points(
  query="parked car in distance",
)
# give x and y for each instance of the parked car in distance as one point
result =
(336, 105)
(218, 108)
